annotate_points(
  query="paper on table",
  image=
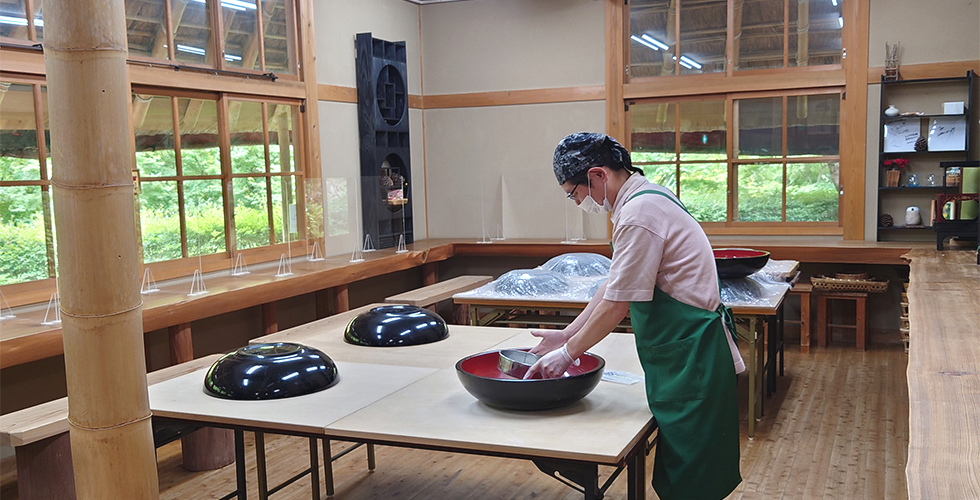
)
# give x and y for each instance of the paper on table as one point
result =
(625, 378)
(900, 135)
(947, 133)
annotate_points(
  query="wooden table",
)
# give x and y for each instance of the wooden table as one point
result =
(944, 375)
(410, 397)
(760, 320)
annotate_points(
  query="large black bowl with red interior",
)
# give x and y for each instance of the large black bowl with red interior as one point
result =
(482, 378)
(739, 262)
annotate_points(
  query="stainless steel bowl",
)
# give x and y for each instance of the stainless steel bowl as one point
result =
(516, 362)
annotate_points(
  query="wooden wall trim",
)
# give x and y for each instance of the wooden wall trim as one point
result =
(164, 76)
(415, 101)
(515, 97)
(683, 85)
(946, 69)
(23, 61)
(615, 71)
(336, 93)
(854, 120)
(311, 116)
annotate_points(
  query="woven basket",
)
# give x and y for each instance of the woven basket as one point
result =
(828, 284)
(851, 276)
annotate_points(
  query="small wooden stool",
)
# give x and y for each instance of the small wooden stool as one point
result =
(861, 318)
(803, 290)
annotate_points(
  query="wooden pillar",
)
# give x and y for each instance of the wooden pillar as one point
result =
(430, 273)
(341, 301)
(270, 324)
(208, 448)
(44, 469)
(181, 344)
(102, 326)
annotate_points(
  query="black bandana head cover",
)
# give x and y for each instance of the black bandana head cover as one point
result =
(581, 151)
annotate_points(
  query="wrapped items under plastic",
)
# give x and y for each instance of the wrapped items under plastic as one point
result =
(537, 284)
(779, 270)
(756, 290)
(579, 265)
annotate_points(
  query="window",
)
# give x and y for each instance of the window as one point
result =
(26, 221)
(780, 160)
(254, 35)
(178, 154)
(678, 37)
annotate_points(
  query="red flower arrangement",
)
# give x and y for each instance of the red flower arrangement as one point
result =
(896, 163)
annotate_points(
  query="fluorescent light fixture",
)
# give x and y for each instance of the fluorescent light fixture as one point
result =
(39, 23)
(691, 62)
(643, 42)
(840, 21)
(229, 57)
(654, 41)
(834, 2)
(191, 50)
(16, 21)
(233, 4)
(688, 66)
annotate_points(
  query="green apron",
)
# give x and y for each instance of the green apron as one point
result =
(691, 390)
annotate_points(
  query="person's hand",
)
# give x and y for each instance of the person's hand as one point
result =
(550, 340)
(552, 365)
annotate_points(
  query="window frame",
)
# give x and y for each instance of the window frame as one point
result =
(730, 54)
(731, 225)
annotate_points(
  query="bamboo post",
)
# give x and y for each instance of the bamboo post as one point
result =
(88, 94)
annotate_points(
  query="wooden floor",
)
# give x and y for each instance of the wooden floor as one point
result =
(837, 428)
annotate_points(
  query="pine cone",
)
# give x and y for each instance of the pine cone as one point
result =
(387, 181)
(885, 220)
(921, 144)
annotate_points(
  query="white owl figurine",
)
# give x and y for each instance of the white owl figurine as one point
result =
(913, 217)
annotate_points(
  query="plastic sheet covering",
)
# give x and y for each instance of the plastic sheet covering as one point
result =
(531, 282)
(595, 286)
(779, 270)
(579, 265)
(755, 290)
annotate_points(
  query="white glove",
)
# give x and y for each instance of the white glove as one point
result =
(550, 340)
(552, 365)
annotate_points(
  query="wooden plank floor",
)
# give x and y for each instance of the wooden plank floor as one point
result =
(837, 428)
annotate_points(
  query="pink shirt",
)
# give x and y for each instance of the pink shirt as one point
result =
(657, 244)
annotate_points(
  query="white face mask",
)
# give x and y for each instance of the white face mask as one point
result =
(589, 204)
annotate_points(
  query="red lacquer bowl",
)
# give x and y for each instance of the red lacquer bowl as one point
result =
(739, 262)
(482, 378)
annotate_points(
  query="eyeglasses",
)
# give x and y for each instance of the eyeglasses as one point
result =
(571, 194)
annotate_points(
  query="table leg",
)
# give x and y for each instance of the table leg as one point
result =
(805, 323)
(781, 330)
(44, 469)
(636, 488)
(240, 465)
(475, 316)
(760, 372)
(861, 320)
(314, 469)
(822, 313)
(752, 380)
(328, 466)
(260, 466)
(370, 455)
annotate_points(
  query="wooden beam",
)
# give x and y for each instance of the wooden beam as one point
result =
(811, 77)
(270, 322)
(336, 93)
(515, 97)
(928, 70)
(616, 15)
(311, 115)
(341, 300)
(854, 119)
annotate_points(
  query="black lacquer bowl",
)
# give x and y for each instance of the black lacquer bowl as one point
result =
(270, 371)
(396, 325)
(482, 378)
(739, 262)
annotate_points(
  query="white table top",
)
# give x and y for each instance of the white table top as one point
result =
(412, 396)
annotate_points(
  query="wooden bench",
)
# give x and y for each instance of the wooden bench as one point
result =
(39, 436)
(803, 290)
(430, 295)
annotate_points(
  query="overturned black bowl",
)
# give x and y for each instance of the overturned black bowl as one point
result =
(739, 262)
(396, 325)
(482, 378)
(270, 371)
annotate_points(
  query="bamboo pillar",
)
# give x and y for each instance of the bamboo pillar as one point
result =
(88, 94)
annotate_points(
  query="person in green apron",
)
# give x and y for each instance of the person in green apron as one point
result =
(663, 274)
